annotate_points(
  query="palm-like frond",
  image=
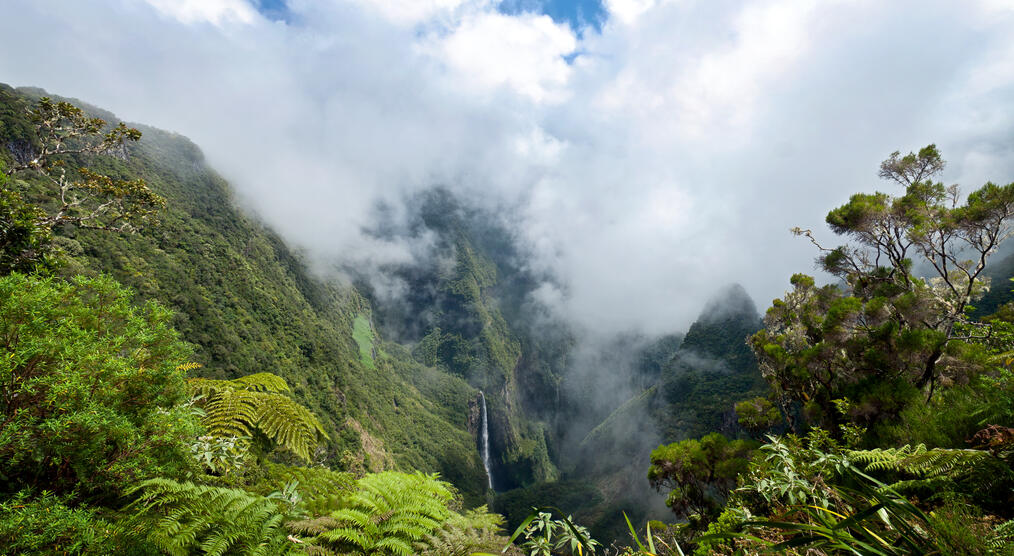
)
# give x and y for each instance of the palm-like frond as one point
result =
(932, 469)
(258, 401)
(917, 460)
(287, 423)
(184, 518)
(389, 513)
(462, 535)
(257, 382)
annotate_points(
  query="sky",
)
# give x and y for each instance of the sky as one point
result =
(645, 152)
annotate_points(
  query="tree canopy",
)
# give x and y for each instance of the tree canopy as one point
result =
(891, 330)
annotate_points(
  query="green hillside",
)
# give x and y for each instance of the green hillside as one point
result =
(461, 314)
(249, 304)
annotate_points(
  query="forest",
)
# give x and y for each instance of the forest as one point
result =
(175, 379)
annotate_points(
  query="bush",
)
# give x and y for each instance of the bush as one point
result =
(90, 395)
(45, 525)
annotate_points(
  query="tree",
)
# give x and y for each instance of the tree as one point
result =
(24, 243)
(90, 395)
(64, 137)
(757, 414)
(888, 333)
(699, 474)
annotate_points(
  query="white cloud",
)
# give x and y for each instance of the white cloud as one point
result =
(217, 12)
(668, 159)
(627, 11)
(524, 52)
(412, 12)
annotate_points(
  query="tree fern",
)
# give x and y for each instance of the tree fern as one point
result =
(321, 489)
(235, 408)
(932, 469)
(388, 514)
(257, 382)
(461, 535)
(184, 518)
(917, 460)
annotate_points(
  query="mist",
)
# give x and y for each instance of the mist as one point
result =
(640, 163)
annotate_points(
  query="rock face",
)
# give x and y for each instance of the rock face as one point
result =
(464, 313)
(474, 421)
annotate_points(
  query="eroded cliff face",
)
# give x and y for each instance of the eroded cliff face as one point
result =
(462, 313)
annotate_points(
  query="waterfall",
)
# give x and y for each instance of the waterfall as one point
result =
(485, 441)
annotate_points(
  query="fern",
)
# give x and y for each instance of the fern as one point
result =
(184, 518)
(257, 382)
(1003, 537)
(321, 489)
(932, 469)
(388, 514)
(235, 408)
(462, 535)
(920, 461)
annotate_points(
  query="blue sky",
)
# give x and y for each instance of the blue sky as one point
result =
(576, 13)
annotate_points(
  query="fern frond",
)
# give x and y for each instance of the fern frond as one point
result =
(257, 401)
(262, 382)
(934, 470)
(287, 423)
(387, 514)
(231, 413)
(462, 535)
(181, 518)
(314, 526)
(919, 461)
(1003, 536)
(394, 545)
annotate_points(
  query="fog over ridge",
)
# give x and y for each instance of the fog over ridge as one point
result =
(643, 165)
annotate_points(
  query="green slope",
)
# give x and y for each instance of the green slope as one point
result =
(461, 314)
(713, 369)
(249, 304)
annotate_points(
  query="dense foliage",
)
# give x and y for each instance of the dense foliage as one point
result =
(866, 373)
(890, 335)
(880, 419)
(90, 396)
(247, 303)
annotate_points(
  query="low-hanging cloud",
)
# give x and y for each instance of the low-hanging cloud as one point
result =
(641, 164)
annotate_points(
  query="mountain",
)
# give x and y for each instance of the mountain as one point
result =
(464, 312)
(248, 303)
(396, 378)
(713, 369)
(681, 386)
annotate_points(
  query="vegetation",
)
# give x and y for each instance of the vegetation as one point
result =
(90, 398)
(890, 337)
(875, 416)
(868, 369)
(246, 303)
(234, 409)
(699, 474)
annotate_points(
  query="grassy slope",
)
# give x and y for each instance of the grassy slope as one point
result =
(249, 304)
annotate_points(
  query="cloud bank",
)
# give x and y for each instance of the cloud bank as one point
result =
(642, 163)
